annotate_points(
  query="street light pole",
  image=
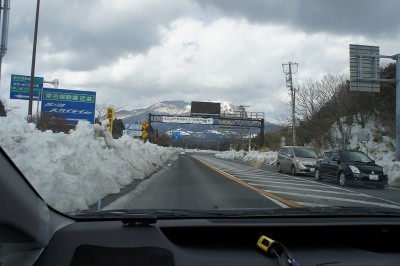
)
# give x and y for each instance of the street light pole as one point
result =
(4, 31)
(33, 59)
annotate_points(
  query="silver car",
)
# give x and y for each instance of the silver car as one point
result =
(296, 160)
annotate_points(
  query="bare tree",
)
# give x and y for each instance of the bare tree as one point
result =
(101, 109)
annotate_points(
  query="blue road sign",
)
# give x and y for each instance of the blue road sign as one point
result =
(20, 87)
(73, 105)
(176, 135)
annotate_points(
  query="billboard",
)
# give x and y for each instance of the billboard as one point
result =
(73, 105)
(205, 108)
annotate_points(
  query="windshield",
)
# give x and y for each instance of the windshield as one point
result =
(353, 156)
(305, 153)
(164, 107)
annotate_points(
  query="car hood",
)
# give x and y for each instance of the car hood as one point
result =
(367, 167)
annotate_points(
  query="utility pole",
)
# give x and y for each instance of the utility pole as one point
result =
(289, 83)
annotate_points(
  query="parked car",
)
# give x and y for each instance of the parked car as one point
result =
(296, 160)
(350, 167)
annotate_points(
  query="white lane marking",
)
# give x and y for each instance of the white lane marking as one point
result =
(283, 182)
(335, 199)
(275, 201)
(309, 204)
(309, 189)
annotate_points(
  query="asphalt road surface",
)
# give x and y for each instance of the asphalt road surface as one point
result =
(203, 181)
(187, 183)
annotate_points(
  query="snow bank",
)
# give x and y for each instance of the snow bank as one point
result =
(252, 156)
(70, 171)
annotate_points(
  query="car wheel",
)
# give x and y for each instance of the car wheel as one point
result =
(342, 179)
(317, 175)
(278, 168)
(293, 170)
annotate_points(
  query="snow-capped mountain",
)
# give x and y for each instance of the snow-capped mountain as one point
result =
(171, 108)
(168, 108)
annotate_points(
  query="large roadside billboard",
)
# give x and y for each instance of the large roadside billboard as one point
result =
(73, 105)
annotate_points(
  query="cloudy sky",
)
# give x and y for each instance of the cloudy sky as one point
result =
(137, 53)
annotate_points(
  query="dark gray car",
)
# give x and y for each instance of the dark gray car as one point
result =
(350, 167)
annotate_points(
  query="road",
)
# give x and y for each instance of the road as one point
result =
(202, 181)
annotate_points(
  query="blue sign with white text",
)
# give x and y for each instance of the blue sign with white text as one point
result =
(73, 105)
(20, 87)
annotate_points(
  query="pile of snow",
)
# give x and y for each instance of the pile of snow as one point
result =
(70, 171)
(382, 151)
(198, 151)
(252, 156)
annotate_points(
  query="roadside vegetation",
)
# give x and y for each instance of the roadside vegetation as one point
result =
(327, 103)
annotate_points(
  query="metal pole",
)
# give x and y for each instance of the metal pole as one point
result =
(398, 107)
(1, 56)
(4, 27)
(33, 59)
(262, 137)
(249, 138)
(4, 31)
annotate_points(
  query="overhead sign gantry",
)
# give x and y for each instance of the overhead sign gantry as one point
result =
(207, 115)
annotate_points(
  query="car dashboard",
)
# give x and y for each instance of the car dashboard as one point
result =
(312, 241)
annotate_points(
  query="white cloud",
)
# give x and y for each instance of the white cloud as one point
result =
(190, 54)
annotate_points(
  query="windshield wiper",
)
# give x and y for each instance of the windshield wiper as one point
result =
(135, 216)
(125, 216)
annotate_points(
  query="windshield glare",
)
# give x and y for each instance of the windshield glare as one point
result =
(163, 107)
